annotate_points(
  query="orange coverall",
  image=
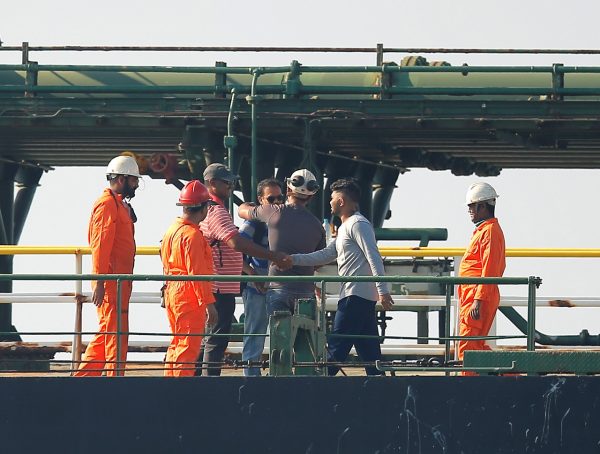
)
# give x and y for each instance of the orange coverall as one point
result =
(111, 238)
(483, 258)
(184, 251)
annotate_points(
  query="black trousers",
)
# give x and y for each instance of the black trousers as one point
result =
(214, 346)
(355, 315)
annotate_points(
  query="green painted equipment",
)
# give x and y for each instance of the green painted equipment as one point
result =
(297, 338)
(538, 362)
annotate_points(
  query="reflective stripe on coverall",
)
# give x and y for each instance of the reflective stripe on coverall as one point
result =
(111, 238)
(184, 251)
(483, 258)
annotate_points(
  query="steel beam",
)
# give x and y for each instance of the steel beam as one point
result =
(364, 174)
(27, 179)
(8, 172)
(384, 185)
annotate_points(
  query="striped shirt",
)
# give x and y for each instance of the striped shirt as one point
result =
(218, 228)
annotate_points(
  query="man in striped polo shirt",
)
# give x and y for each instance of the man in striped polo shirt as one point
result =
(227, 246)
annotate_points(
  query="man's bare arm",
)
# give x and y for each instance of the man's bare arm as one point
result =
(245, 210)
(249, 247)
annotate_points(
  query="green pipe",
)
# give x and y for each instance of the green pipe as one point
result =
(584, 338)
(305, 69)
(123, 333)
(244, 278)
(137, 69)
(450, 91)
(135, 89)
(347, 336)
(407, 234)
(304, 89)
(399, 368)
(230, 143)
(428, 69)
(252, 99)
(451, 338)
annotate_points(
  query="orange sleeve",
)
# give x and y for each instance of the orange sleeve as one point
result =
(165, 251)
(102, 230)
(195, 262)
(493, 259)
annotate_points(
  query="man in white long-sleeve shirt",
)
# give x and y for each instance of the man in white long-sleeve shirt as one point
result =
(355, 249)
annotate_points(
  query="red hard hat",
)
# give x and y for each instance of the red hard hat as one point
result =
(193, 194)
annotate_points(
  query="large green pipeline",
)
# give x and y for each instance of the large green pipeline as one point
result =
(406, 234)
(354, 82)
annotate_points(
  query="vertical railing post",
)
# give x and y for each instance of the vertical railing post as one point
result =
(379, 57)
(447, 327)
(76, 346)
(322, 324)
(456, 260)
(531, 306)
(119, 328)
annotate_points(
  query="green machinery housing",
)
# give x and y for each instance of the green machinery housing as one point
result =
(370, 122)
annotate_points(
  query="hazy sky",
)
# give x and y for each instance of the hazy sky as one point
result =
(536, 208)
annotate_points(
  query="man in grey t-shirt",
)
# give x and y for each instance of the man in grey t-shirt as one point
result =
(356, 252)
(292, 230)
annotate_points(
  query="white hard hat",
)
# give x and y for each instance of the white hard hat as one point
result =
(481, 192)
(123, 165)
(303, 182)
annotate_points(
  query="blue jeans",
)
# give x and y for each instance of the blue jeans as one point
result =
(256, 321)
(355, 315)
(281, 299)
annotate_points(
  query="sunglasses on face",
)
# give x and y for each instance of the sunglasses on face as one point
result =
(228, 183)
(275, 198)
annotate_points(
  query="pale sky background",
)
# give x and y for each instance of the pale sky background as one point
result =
(550, 208)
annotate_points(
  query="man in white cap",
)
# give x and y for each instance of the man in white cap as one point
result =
(111, 238)
(483, 258)
(355, 250)
(292, 230)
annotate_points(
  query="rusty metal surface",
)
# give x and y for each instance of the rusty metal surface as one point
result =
(24, 348)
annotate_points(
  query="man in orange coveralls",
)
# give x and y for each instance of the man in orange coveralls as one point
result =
(110, 235)
(184, 251)
(483, 258)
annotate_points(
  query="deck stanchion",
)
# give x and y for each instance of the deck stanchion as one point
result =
(531, 306)
(119, 328)
(76, 347)
(322, 321)
(447, 326)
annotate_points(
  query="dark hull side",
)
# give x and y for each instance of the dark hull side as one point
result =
(471, 415)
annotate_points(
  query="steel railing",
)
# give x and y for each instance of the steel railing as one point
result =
(448, 282)
(387, 251)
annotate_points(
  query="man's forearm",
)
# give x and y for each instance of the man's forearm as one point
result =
(249, 247)
(244, 210)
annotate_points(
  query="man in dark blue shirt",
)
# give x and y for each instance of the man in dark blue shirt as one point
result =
(256, 318)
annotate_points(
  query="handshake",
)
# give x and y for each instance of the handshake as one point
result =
(281, 260)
